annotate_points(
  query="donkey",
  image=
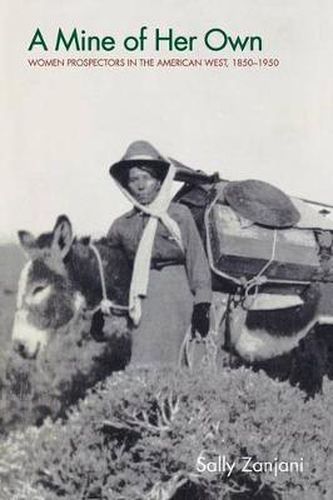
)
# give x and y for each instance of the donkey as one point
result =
(61, 346)
(61, 280)
(293, 342)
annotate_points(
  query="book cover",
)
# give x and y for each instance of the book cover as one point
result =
(239, 89)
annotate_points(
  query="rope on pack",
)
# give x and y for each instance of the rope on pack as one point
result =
(105, 304)
(237, 281)
(257, 280)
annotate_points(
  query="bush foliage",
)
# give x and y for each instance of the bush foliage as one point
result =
(139, 434)
(60, 376)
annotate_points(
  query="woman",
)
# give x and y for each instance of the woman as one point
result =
(171, 283)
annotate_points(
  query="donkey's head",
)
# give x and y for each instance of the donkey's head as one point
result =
(46, 299)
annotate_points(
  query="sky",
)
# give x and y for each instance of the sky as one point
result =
(62, 127)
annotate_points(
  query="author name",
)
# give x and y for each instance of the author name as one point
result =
(221, 464)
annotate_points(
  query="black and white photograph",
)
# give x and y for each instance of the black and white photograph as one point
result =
(166, 250)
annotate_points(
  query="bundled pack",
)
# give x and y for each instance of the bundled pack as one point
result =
(253, 230)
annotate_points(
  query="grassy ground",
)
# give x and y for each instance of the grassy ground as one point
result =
(11, 262)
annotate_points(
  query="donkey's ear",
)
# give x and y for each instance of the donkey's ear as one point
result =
(62, 235)
(27, 240)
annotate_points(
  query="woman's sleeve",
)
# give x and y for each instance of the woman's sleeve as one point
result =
(197, 266)
(113, 236)
(119, 268)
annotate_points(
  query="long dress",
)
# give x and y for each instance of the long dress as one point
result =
(166, 316)
(177, 280)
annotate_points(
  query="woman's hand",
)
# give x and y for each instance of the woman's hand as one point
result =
(200, 319)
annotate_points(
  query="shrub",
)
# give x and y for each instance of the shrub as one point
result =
(60, 376)
(139, 436)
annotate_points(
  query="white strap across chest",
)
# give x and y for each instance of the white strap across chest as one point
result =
(157, 210)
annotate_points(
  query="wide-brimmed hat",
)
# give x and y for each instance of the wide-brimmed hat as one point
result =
(262, 203)
(139, 154)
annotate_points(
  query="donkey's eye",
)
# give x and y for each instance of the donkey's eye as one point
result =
(38, 294)
(38, 289)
